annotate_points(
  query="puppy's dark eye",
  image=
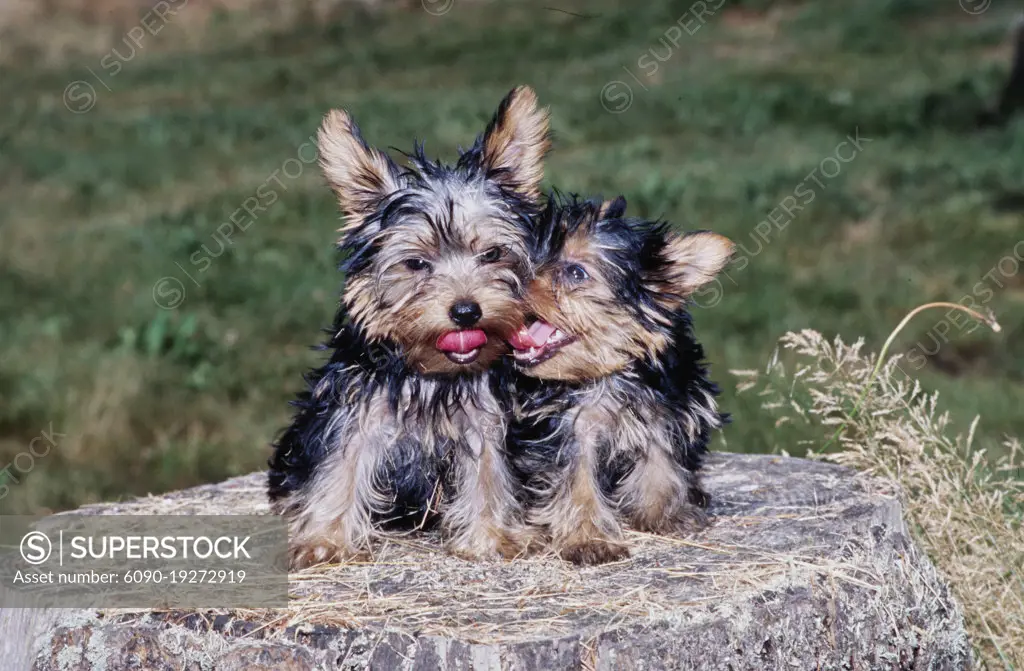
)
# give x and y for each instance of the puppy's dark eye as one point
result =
(417, 264)
(492, 255)
(576, 273)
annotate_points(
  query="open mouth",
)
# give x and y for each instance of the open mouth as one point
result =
(462, 347)
(537, 342)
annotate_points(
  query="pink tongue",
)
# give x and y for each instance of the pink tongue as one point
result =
(521, 338)
(540, 332)
(534, 336)
(461, 342)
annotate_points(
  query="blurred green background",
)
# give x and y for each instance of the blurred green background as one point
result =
(155, 356)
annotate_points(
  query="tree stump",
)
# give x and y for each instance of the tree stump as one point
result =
(806, 566)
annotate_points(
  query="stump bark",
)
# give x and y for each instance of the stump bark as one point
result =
(806, 566)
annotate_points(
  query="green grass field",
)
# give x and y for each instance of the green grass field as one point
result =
(104, 198)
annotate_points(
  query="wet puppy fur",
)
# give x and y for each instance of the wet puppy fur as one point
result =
(615, 407)
(405, 425)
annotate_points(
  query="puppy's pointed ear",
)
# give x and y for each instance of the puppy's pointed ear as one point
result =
(359, 174)
(515, 142)
(612, 209)
(694, 259)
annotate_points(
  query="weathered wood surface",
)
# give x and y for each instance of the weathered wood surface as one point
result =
(806, 566)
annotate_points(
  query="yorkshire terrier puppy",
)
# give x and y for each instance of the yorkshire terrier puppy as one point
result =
(616, 409)
(404, 422)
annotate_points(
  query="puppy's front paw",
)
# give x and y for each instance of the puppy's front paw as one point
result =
(594, 551)
(490, 544)
(682, 520)
(312, 553)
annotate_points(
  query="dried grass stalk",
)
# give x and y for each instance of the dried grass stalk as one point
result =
(964, 504)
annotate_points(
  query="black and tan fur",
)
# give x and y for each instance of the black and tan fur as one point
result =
(393, 431)
(616, 410)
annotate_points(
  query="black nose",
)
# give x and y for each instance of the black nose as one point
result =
(465, 313)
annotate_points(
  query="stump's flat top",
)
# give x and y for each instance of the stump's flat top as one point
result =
(775, 521)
